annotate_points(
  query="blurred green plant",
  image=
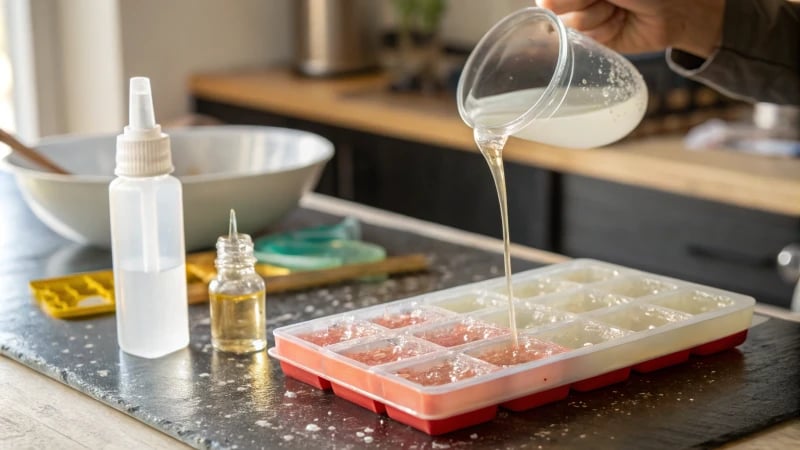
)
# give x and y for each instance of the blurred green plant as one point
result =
(420, 15)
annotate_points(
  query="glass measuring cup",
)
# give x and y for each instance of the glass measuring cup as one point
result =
(533, 78)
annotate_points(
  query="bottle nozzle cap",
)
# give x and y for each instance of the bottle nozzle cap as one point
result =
(140, 105)
(142, 149)
(233, 235)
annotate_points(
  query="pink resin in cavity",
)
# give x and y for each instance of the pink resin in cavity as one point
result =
(444, 372)
(510, 354)
(389, 353)
(462, 333)
(338, 332)
(402, 319)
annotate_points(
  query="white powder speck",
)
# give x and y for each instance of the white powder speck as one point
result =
(227, 416)
(309, 308)
(288, 437)
(102, 373)
(88, 346)
(241, 388)
(368, 430)
(240, 365)
(204, 375)
(291, 394)
(72, 338)
(312, 427)
(262, 423)
(89, 326)
(473, 436)
(230, 381)
(329, 413)
(583, 436)
(66, 350)
(331, 428)
(221, 383)
(359, 434)
(368, 439)
(439, 445)
(93, 362)
(78, 365)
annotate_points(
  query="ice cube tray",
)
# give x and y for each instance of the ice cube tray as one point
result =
(446, 360)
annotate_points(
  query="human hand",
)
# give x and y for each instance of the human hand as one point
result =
(636, 26)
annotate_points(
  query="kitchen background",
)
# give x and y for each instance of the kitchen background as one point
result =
(72, 58)
(70, 61)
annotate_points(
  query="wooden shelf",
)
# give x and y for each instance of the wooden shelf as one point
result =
(364, 103)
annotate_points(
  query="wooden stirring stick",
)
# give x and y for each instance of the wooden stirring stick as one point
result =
(198, 292)
(30, 153)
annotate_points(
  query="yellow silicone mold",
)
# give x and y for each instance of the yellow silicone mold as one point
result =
(88, 293)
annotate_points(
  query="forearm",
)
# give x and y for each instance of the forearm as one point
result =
(758, 57)
(699, 28)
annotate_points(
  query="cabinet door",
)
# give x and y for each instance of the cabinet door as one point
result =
(450, 187)
(707, 242)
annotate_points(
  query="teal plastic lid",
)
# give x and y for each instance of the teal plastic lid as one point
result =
(319, 247)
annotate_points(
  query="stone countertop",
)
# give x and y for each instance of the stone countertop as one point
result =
(213, 400)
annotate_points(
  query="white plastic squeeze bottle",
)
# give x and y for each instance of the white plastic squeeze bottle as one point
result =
(147, 242)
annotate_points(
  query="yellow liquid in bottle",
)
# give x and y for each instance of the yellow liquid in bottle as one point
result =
(238, 322)
(491, 147)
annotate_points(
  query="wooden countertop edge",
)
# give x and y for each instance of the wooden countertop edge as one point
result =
(360, 103)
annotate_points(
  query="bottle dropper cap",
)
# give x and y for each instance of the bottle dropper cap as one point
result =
(142, 149)
(236, 248)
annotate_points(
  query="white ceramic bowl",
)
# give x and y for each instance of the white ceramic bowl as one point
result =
(261, 172)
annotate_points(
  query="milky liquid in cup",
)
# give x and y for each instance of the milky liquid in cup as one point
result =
(588, 117)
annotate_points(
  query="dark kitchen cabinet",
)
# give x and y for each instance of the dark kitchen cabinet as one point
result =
(706, 242)
(692, 239)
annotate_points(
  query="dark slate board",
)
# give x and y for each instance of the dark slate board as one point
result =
(212, 400)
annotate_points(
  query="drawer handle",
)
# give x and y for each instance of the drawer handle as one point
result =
(789, 263)
(730, 256)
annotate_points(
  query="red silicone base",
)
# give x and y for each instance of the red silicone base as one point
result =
(358, 399)
(537, 399)
(663, 361)
(720, 344)
(606, 379)
(442, 426)
(306, 377)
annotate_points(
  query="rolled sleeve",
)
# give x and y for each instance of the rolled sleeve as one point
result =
(758, 58)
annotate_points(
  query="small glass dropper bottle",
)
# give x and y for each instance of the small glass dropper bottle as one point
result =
(236, 296)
